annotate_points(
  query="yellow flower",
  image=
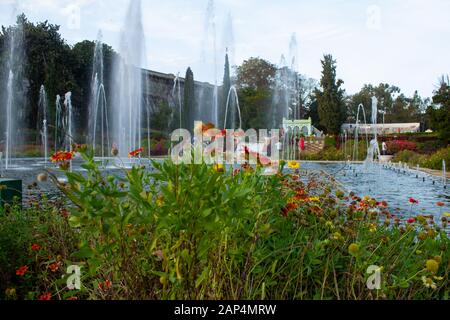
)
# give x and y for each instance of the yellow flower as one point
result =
(372, 228)
(11, 292)
(219, 167)
(447, 214)
(337, 236)
(160, 201)
(294, 165)
(314, 199)
(432, 265)
(353, 249)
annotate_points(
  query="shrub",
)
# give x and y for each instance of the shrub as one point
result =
(434, 161)
(400, 145)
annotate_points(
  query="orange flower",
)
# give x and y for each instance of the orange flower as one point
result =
(105, 286)
(290, 207)
(54, 266)
(21, 271)
(35, 247)
(135, 153)
(62, 156)
(45, 296)
(207, 127)
(440, 204)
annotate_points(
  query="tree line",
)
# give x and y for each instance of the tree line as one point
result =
(60, 67)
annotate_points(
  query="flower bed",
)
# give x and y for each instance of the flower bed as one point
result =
(203, 232)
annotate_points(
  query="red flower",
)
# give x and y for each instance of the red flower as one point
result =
(411, 220)
(35, 247)
(440, 204)
(21, 271)
(62, 156)
(413, 201)
(54, 266)
(105, 286)
(72, 299)
(135, 153)
(45, 296)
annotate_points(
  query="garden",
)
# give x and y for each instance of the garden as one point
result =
(167, 231)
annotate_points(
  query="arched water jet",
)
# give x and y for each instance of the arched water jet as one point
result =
(356, 140)
(232, 92)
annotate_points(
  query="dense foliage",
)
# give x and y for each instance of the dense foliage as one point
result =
(50, 61)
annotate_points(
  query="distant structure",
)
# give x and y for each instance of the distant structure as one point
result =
(388, 128)
(301, 126)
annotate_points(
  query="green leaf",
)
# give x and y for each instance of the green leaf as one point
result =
(84, 253)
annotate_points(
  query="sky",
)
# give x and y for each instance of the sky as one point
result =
(400, 42)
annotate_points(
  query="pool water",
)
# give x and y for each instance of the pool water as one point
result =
(377, 181)
(392, 185)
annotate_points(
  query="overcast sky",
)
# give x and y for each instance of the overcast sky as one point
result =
(401, 42)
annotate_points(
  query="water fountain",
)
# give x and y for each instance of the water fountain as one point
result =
(373, 152)
(232, 99)
(444, 174)
(12, 92)
(127, 83)
(68, 136)
(9, 120)
(60, 123)
(356, 136)
(209, 58)
(98, 108)
(176, 95)
(42, 119)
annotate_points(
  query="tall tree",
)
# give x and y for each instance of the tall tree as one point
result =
(330, 98)
(255, 79)
(439, 114)
(189, 101)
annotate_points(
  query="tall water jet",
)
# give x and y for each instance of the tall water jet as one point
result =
(178, 104)
(98, 109)
(293, 77)
(373, 151)
(444, 174)
(42, 122)
(68, 136)
(280, 105)
(9, 120)
(228, 41)
(209, 57)
(127, 83)
(13, 92)
(60, 123)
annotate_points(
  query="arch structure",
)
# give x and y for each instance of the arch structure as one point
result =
(304, 127)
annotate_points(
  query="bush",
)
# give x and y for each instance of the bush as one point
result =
(396, 146)
(434, 161)
(407, 156)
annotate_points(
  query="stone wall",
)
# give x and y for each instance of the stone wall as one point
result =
(159, 88)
